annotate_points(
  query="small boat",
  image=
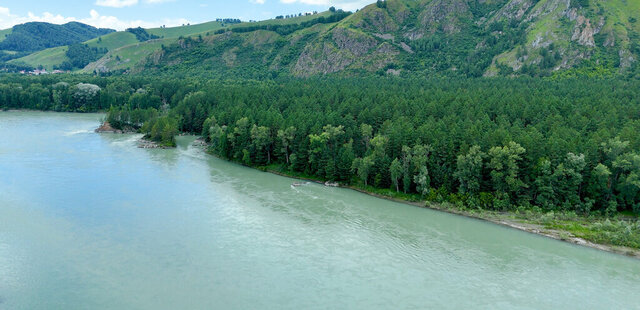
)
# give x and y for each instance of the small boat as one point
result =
(296, 184)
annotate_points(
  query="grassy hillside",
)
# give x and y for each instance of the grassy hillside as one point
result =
(37, 36)
(129, 56)
(125, 57)
(284, 21)
(47, 58)
(187, 30)
(469, 38)
(113, 40)
(4, 33)
(122, 44)
(446, 37)
(259, 49)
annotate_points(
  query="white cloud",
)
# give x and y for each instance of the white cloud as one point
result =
(126, 3)
(257, 1)
(116, 3)
(157, 1)
(7, 20)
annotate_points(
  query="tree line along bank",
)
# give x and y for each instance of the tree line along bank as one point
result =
(495, 144)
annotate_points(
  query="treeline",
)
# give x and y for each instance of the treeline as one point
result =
(75, 93)
(141, 34)
(285, 29)
(80, 55)
(36, 36)
(567, 145)
(229, 20)
(499, 144)
(493, 144)
(6, 56)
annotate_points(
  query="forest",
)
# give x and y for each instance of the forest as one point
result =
(36, 36)
(80, 55)
(489, 144)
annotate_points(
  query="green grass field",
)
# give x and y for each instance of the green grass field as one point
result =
(125, 57)
(113, 40)
(175, 32)
(122, 44)
(284, 21)
(47, 58)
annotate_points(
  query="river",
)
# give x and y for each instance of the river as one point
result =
(90, 221)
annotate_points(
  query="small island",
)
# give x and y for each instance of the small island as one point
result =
(159, 131)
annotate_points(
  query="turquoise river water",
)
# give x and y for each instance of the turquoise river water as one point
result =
(90, 221)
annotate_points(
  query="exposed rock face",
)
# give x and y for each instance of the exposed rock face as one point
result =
(377, 21)
(349, 40)
(557, 34)
(514, 10)
(229, 57)
(443, 15)
(610, 41)
(626, 59)
(583, 32)
(344, 49)
(148, 144)
(406, 47)
(106, 128)
(324, 58)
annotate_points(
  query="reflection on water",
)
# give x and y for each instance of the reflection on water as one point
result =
(90, 221)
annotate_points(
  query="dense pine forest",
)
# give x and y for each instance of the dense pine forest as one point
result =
(494, 144)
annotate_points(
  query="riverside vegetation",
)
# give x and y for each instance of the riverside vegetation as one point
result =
(562, 153)
(392, 99)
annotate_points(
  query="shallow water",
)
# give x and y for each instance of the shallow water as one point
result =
(89, 221)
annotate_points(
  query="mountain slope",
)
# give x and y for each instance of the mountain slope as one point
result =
(453, 37)
(4, 33)
(36, 36)
(447, 37)
(121, 44)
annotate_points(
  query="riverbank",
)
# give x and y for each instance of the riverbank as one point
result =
(616, 235)
(612, 235)
(106, 127)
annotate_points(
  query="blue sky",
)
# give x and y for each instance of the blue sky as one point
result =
(120, 14)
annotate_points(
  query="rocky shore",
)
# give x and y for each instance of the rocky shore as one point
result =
(148, 144)
(107, 128)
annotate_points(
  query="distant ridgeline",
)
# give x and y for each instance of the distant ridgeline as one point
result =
(464, 38)
(285, 29)
(461, 38)
(38, 36)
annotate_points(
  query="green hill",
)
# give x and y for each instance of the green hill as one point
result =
(423, 37)
(36, 36)
(121, 44)
(451, 37)
(4, 33)
(46, 58)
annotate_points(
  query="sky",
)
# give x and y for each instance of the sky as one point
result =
(122, 14)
